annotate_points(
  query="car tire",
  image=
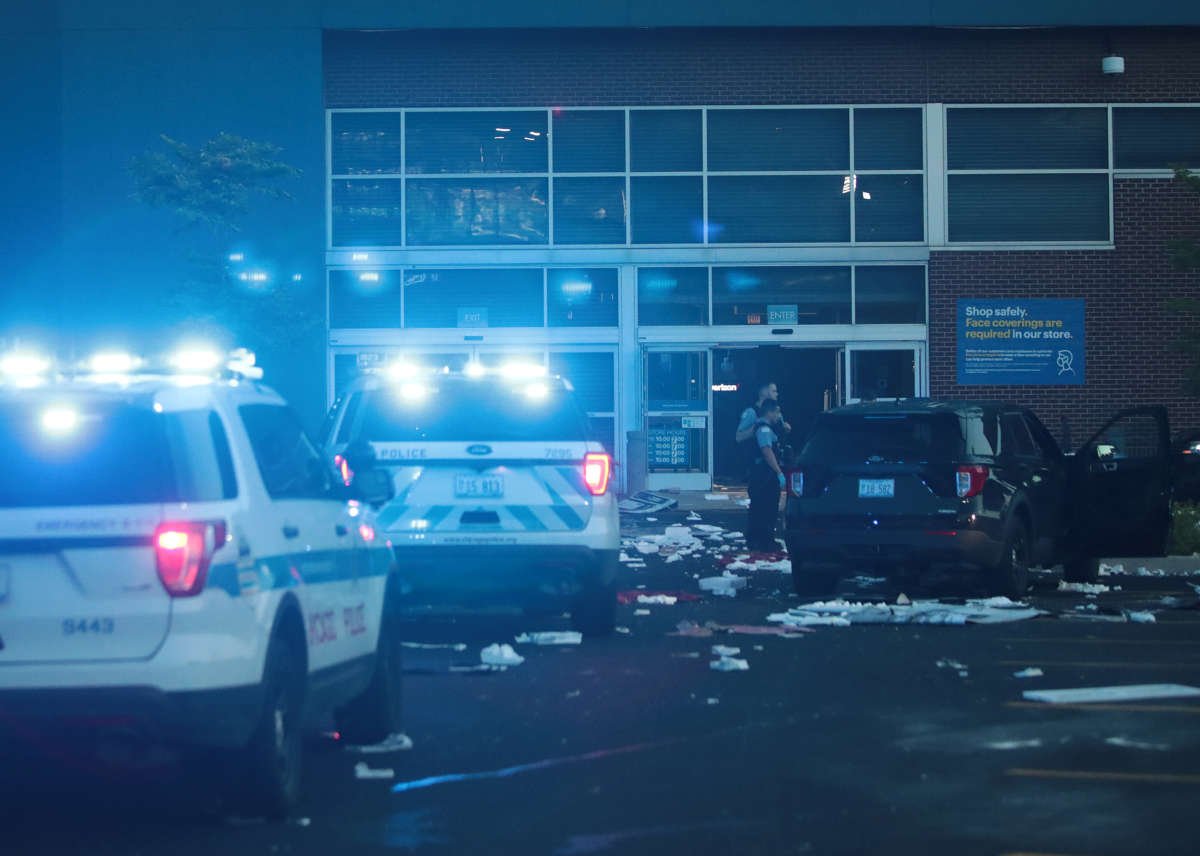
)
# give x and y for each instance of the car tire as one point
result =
(594, 613)
(378, 711)
(1081, 570)
(270, 763)
(1010, 576)
(808, 582)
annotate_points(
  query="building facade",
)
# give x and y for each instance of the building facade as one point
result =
(669, 216)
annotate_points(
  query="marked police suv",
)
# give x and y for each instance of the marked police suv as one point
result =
(177, 559)
(501, 498)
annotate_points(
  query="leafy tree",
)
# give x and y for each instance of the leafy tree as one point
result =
(1185, 256)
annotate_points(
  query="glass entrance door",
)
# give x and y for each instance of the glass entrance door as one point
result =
(677, 407)
(885, 372)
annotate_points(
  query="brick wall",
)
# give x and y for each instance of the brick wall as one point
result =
(750, 66)
(1129, 330)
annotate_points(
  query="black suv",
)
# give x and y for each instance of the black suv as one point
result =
(902, 486)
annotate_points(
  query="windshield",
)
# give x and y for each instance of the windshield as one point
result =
(899, 438)
(465, 412)
(110, 454)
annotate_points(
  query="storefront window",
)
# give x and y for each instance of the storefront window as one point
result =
(889, 294)
(462, 212)
(589, 141)
(781, 296)
(362, 298)
(473, 298)
(582, 297)
(458, 142)
(589, 211)
(779, 209)
(669, 296)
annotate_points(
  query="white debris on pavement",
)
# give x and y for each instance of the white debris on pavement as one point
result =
(1129, 692)
(729, 664)
(1031, 672)
(1126, 743)
(396, 742)
(1143, 571)
(747, 564)
(717, 497)
(646, 547)
(550, 637)
(951, 664)
(1008, 745)
(657, 599)
(725, 651)
(726, 585)
(674, 557)
(500, 655)
(453, 646)
(863, 580)
(707, 528)
(641, 612)
(790, 620)
(692, 517)
(1086, 588)
(711, 701)
(362, 771)
(988, 611)
(1140, 616)
(624, 631)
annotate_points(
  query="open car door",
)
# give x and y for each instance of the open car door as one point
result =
(1121, 487)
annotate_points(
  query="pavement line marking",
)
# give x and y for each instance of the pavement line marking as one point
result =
(1058, 641)
(1106, 776)
(1132, 708)
(1101, 664)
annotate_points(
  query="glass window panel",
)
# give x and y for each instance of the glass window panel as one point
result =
(1029, 207)
(365, 143)
(816, 295)
(589, 141)
(677, 380)
(882, 374)
(890, 208)
(362, 298)
(669, 296)
(469, 141)
(667, 209)
(888, 138)
(589, 210)
(345, 372)
(754, 140)
(366, 213)
(451, 211)
(493, 297)
(592, 376)
(582, 297)
(665, 140)
(779, 209)
(889, 294)
(1156, 137)
(1027, 138)
(603, 429)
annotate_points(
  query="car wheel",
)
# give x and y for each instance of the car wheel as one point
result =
(377, 711)
(1081, 570)
(810, 582)
(1011, 575)
(594, 613)
(270, 762)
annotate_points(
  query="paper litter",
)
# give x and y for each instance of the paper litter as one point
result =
(392, 743)
(500, 655)
(988, 611)
(725, 650)
(362, 771)
(641, 612)
(726, 585)
(717, 497)
(1140, 617)
(453, 646)
(1031, 672)
(1129, 692)
(729, 664)
(657, 599)
(1086, 588)
(550, 637)
(1126, 743)
(1005, 745)
(692, 517)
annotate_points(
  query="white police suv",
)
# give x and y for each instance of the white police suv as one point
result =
(501, 498)
(177, 559)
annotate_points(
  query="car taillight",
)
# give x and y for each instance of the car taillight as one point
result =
(183, 552)
(597, 468)
(969, 480)
(796, 482)
(343, 468)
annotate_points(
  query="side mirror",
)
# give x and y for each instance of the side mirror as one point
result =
(1105, 452)
(373, 487)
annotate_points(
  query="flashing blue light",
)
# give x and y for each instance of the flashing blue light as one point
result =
(60, 421)
(576, 288)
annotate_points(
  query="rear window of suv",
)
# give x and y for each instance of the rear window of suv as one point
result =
(112, 454)
(470, 411)
(883, 438)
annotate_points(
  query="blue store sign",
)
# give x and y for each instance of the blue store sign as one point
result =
(1020, 342)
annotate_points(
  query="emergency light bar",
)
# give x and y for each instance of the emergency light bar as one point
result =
(31, 369)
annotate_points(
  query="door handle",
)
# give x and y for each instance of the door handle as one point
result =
(290, 531)
(341, 530)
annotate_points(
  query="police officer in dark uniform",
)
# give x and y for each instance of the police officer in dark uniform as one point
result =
(766, 481)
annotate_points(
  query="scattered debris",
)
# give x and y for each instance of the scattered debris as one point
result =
(987, 611)
(687, 655)
(396, 742)
(707, 528)
(1006, 745)
(692, 517)
(652, 519)
(500, 655)
(550, 637)
(574, 694)
(646, 547)
(480, 669)
(1140, 616)
(453, 646)
(303, 821)
(729, 664)
(951, 664)
(1030, 672)
(725, 650)
(1126, 743)
(717, 497)
(691, 628)
(726, 585)
(1086, 588)
(863, 580)
(641, 612)
(1130, 692)
(657, 599)
(622, 630)
(362, 771)
(646, 502)
(711, 701)
(749, 564)
(761, 629)
(744, 503)
(635, 596)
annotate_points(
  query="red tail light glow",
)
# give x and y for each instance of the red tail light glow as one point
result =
(343, 469)
(183, 552)
(970, 479)
(597, 469)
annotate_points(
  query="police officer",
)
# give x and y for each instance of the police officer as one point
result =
(766, 481)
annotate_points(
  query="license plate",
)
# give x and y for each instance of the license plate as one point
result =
(476, 487)
(876, 488)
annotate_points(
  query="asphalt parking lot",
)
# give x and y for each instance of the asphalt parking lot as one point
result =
(904, 738)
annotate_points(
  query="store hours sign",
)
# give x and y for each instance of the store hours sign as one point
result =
(1034, 342)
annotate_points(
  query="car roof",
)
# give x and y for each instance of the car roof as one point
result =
(914, 406)
(142, 390)
(374, 380)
